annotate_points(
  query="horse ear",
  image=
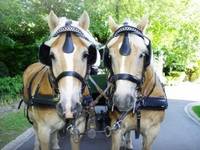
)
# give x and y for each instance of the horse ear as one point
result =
(84, 21)
(113, 26)
(52, 20)
(143, 23)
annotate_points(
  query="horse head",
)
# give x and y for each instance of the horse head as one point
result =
(127, 55)
(69, 53)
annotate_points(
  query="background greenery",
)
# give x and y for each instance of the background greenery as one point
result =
(174, 29)
(12, 124)
(10, 89)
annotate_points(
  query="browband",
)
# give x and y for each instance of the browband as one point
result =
(127, 28)
(69, 28)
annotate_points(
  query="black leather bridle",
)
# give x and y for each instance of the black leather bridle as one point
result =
(72, 74)
(125, 50)
(125, 76)
(68, 48)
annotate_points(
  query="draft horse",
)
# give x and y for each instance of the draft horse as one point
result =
(138, 98)
(54, 87)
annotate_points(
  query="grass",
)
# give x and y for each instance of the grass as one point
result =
(196, 110)
(6, 100)
(12, 124)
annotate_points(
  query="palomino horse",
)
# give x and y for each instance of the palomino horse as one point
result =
(136, 88)
(65, 60)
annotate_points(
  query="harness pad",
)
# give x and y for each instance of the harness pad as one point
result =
(153, 103)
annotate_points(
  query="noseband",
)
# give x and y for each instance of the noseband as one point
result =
(71, 74)
(124, 76)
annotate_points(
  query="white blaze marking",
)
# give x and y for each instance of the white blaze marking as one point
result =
(68, 89)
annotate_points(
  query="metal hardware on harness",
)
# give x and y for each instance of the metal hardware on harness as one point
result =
(108, 129)
(91, 123)
(75, 135)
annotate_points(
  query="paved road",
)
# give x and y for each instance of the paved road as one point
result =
(178, 132)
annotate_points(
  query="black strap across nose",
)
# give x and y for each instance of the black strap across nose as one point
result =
(125, 76)
(71, 74)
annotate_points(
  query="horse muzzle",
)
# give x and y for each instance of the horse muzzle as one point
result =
(74, 112)
(124, 103)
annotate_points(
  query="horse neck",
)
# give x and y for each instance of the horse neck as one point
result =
(152, 85)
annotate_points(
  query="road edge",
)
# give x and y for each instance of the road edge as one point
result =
(190, 113)
(20, 140)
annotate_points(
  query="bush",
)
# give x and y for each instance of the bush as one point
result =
(3, 70)
(193, 73)
(10, 89)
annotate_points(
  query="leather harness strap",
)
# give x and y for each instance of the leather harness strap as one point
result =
(71, 74)
(125, 76)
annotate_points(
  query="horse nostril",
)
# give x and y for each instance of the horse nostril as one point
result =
(76, 109)
(59, 109)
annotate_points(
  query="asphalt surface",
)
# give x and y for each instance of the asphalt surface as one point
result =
(178, 132)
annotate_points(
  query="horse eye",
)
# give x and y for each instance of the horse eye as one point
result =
(52, 56)
(85, 55)
(142, 55)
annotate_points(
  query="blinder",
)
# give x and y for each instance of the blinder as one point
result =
(107, 59)
(92, 51)
(44, 54)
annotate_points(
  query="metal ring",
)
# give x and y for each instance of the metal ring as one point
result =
(107, 131)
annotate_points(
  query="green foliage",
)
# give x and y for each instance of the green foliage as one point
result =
(196, 110)
(3, 70)
(10, 89)
(173, 27)
(12, 125)
(193, 72)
